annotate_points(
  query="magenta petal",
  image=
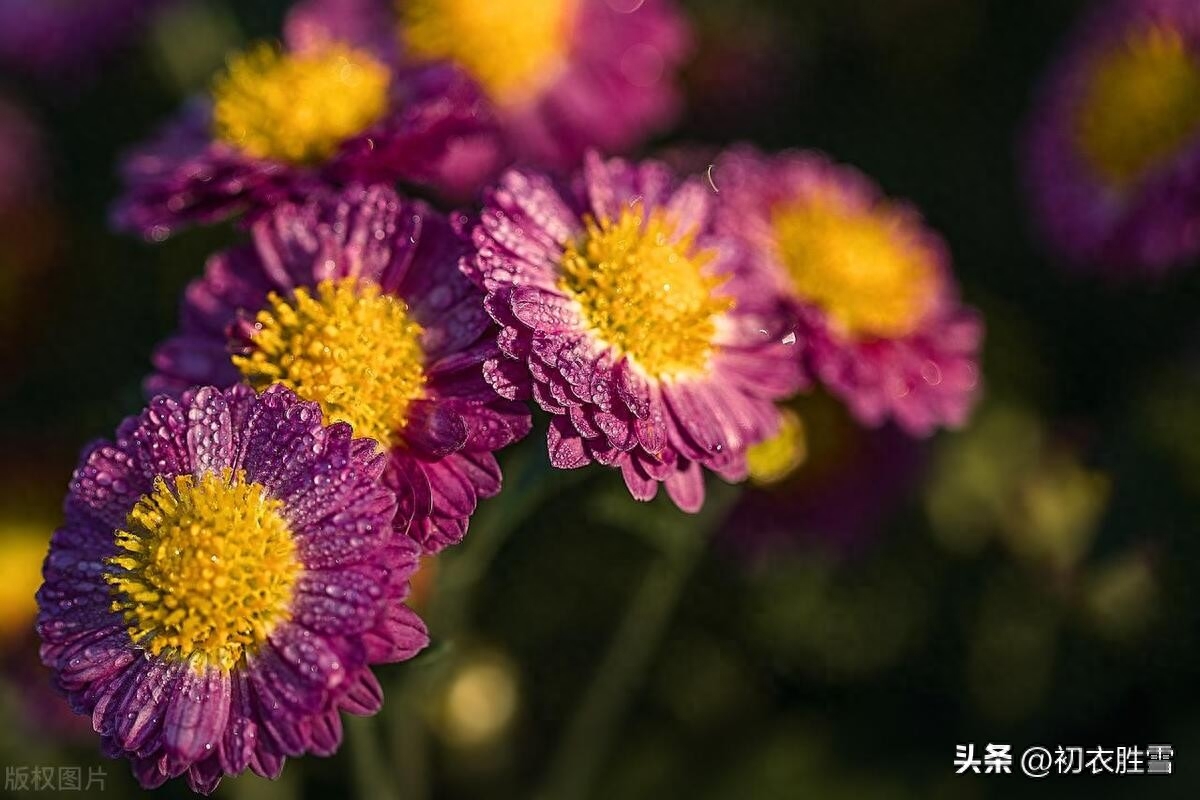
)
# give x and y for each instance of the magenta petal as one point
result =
(210, 437)
(204, 777)
(695, 417)
(565, 445)
(363, 696)
(309, 655)
(543, 311)
(435, 431)
(481, 469)
(324, 733)
(398, 636)
(510, 380)
(267, 762)
(150, 691)
(238, 741)
(686, 488)
(640, 485)
(455, 495)
(196, 717)
(339, 601)
(408, 479)
(149, 772)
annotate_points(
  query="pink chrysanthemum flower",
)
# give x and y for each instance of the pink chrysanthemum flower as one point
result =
(354, 300)
(877, 313)
(225, 578)
(1113, 146)
(563, 75)
(656, 347)
(281, 123)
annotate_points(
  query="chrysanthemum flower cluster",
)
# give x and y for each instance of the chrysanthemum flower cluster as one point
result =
(237, 557)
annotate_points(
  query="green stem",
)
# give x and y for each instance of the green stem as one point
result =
(372, 775)
(529, 482)
(603, 707)
(410, 741)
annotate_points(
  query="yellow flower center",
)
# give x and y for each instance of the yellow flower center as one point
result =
(24, 550)
(1142, 105)
(512, 48)
(349, 347)
(299, 107)
(772, 460)
(643, 290)
(206, 571)
(863, 268)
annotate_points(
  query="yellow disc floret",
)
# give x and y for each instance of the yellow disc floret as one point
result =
(298, 107)
(643, 290)
(864, 268)
(1141, 106)
(206, 570)
(512, 48)
(772, 460)
(349, 347)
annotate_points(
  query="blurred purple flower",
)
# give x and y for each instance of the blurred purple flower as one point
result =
(1112, 151)
(564, 75)
(652, 342)
(59, 37)
(355, 301)
(280, 125)
(225, 578)
(877, 316)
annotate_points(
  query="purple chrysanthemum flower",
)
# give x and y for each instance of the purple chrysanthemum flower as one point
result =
(654, 344)
(878, 318)
(280, 124)
(564, 75)
(226, 575)
(354, 300)
(56, 37)
(1113, 146)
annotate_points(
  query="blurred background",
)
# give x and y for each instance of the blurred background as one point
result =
(1027, 581)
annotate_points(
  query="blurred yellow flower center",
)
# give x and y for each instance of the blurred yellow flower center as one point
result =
(1142, 105)
(25, 547)
(643, 290)
(864, 269)
(772, 460)
(512, 48)
(300, 107)
(349, 347)
(206, 569)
